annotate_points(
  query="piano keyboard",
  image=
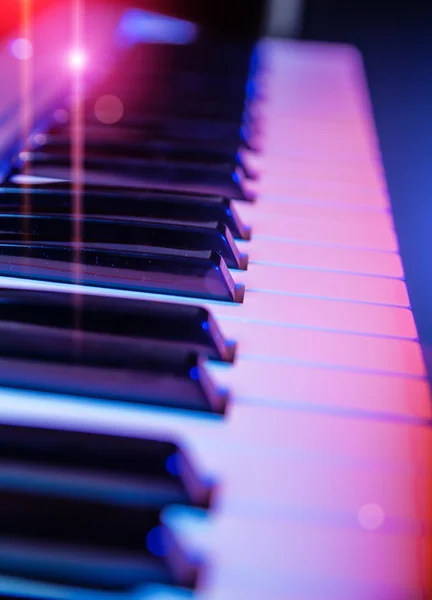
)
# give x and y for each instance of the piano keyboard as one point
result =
(243, 411)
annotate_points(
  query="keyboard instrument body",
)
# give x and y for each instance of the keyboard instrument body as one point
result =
(322, 462)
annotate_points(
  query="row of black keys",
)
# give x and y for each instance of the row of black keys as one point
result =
(85, 509)
(172, 178)
(157, 216)
(147, 241)
(174, 242)
(145, 352)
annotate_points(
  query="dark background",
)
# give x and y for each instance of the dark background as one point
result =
(236, 18)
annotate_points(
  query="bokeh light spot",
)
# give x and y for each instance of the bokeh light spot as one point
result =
(109, 109)
(21, 49)
(39, 139)
(371, 516)
(61, 115)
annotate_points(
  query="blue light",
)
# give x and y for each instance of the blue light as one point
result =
(244, 133)
(172, 465)
(235, 178)
(205, 325)
(194, 373)
(155, 541)
(139, 26)
(251, 89)
(254, 62)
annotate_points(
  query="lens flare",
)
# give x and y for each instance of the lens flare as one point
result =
(77, 59)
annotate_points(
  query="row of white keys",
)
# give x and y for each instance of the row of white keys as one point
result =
(323, 459)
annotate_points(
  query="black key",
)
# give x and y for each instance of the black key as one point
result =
(175, 128)
(181, 127)
(147, 154)
(140, 139)
(110, 234)
(57, 199)
(181, 273)
(190, 85)
(162, 64)
(219, 100)
(83, 363)
(130, 471)
(186, 327)
(176, 93)
(133, 173)
(154, 102)
(93, 545)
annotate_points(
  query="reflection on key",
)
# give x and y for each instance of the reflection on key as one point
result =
(149, 154)
(190, 178)
(110, 234)
(142, 140)
(77, 362)
(163, 271)
(132, 471)
(57, 199)
(186, 327)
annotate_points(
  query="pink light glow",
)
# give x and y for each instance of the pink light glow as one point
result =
(77, 59)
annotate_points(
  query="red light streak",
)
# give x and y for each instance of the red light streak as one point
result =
(77, 60)
(77, 138)
(26, 102)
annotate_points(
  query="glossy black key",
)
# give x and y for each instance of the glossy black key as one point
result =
(111, 234)
(133, 173)
(133, 471)
(83, 363)
(147, 153)
(155, 102)
(194, 274)
(192, 93)
(146, 139)
(186, 327)
(202, 72)
(57, 199)
(94, 545)
(177, 127)
(181, 127)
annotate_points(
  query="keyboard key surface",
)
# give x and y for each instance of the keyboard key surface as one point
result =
(185, 273)
(133, 471)
(185, 327)
(146, 234)
(77, 542)
(126, 204)
(87, 364)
